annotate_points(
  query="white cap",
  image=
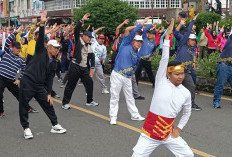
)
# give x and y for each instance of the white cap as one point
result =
(54, 43)
(192, 36)
(138, 38)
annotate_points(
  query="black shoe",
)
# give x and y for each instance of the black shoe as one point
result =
(140, 98)
(196, 108)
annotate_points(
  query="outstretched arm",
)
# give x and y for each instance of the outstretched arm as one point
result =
(177, 34)
(128, 29)
(162, 70)
(39, 48)
(188, 32)
(145, 31)
(78, 26)
(11, 39)
(120, 26)
(135, 30)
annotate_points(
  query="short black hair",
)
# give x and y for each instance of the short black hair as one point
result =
(16, 45)
(26, 41)
(174, 63)
(140, 32)
(182, 14)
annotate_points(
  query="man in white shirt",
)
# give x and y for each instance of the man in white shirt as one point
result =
(99, 49)
(169, 98)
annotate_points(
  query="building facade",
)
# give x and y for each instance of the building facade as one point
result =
(26, 11)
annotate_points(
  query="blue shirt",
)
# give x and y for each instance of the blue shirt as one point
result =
(127, 58)
(148, 47)
(185, 53)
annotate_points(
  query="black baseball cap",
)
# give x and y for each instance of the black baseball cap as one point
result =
(152, 32)
(88, 33)
(16, 45)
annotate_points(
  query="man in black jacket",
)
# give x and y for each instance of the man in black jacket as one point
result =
(37, 73)
(83, 55)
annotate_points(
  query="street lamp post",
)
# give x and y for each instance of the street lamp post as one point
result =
(72, 6)
(152, 11)
(8, 11)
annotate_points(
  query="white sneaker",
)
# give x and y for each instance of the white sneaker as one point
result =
(28, 134)
(93, 103)
(56, 96)
(57, 129)
(113, 122)
(66, 107)
(138, 118)
(105, 91)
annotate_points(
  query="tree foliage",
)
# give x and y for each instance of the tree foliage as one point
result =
(108, 13)
(204, 18)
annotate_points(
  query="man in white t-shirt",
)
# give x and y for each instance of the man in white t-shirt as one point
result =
(99, 49)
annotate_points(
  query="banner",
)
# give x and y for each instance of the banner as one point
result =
(34, 20)
(37, 5)
(14, 18)
(23, 20)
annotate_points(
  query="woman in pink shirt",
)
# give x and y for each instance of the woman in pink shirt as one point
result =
(222, 36)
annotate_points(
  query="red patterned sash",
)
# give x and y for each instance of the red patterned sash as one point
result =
(158, 127)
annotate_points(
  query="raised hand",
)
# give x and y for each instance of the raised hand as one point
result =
(101, 28)
(54, 26)
(43, 18)
(145, 20)
(170, 29)
(88, 28)
(19, 29)
(126, 21)
(195, 17)
(86, 17)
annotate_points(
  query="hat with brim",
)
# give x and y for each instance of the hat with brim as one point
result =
(152, 32)
(88, 33)
(101, 36)
(192, 36)
(54, 43)
(138, 38)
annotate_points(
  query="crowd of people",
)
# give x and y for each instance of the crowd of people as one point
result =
(32, 56)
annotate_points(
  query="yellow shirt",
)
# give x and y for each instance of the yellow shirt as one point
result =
(23, 47)
(191, 13)
(31, 43)
(31, 47)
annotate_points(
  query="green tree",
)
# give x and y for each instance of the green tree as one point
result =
(108, 13)
(204, 18)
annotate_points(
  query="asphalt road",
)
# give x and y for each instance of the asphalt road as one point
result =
(90, 134)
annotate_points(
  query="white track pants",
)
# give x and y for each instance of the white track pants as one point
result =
(147, 145)
(118, 82)
(100, 76)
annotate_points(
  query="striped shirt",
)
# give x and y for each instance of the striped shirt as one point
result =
(10, 62)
